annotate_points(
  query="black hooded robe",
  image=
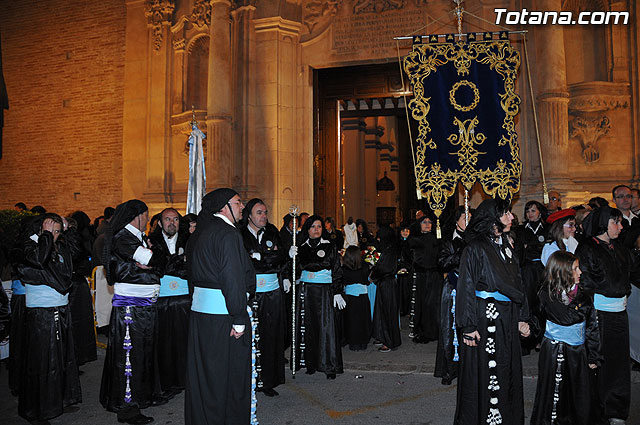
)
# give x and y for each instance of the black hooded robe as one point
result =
(270, 305)
(357, 313)
(80, 302)
(427, 287)
(447, 355)
(491, 371)
(218, 386)
(565, 365)
(386, 316)
(49, 374)
(609, 269)
(140, 321)
(173, 315)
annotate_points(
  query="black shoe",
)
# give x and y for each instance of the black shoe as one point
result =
(70, 409)
(159, 401)
(446, 380)
(270, 392)
(331, 376)
(137, 420)
(310, 371)
(169, 394)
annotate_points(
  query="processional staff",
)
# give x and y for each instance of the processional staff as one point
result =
(293, 211)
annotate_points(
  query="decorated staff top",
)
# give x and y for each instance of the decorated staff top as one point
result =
(465, 103)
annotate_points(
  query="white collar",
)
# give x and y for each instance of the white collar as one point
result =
(535, 231)
(321, 241)
(225, 219)
(456, 234)
(134, 230)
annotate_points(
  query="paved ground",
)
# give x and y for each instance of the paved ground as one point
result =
(376, 388)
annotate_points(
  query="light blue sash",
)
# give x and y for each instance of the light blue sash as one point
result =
(495, 295)
(611, 305)
(355, 289)
(209, 301)
(172, 286)
(572, 335)
(371, 291)
(44, 296)
(321, 276)
(267, 282)
(17, 288)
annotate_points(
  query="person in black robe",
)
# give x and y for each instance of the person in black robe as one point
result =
(447, 356)
(405, 273)
(365, 238)
(130, 380)
(318, 347)
(529, 241)
(174, 302)
(386, 317)
(357, 313)
(491, 313)
(268, 257)
(219, 348)
(49, 375)
(570, 346)
(608, 270)
(17, 333)
(427, 282)
(335, 234)
(80, 302)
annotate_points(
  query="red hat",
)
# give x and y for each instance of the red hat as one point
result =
(569, 212)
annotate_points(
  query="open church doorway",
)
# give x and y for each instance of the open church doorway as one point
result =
(363, 165)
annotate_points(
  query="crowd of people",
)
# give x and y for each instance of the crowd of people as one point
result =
(204, 304)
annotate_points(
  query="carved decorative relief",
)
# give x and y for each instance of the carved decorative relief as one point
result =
(376, 6)
(201, 13)
(158, 12)
(179, 44)
(589, 131)
(318, 13)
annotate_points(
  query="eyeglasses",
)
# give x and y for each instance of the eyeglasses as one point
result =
(570, 225)
(629, 196)
(237, 202)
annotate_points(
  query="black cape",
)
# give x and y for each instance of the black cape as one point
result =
(218, 386)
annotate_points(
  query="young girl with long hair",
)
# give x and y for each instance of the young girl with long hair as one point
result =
(570, 346)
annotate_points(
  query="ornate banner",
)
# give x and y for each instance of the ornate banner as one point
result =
(465, 103)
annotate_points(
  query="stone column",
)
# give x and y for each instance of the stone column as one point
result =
(552, 97)
(219, 101)
(243, 75)
(158, 182)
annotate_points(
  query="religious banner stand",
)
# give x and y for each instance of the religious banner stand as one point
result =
(464, 102)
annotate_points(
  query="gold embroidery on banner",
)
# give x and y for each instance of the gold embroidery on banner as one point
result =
(454, 90)
(435, 183)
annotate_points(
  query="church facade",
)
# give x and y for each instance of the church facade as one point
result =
(302, 101)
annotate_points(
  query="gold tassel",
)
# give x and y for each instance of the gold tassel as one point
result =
(438, 232)
(419, 193)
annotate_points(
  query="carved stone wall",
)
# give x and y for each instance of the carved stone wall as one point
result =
(259, 90)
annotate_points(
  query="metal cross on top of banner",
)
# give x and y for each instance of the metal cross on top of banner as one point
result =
(465, 104)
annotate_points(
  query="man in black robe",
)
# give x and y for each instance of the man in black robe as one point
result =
(608, 270)
(130, 378)
(218, 386)
(174, 302)
(262, 242)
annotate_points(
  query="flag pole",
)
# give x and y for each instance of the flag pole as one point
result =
(293, 211)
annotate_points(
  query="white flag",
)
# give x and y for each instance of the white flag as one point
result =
(197, 175)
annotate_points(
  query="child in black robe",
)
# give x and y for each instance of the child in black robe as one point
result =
(570, 346)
